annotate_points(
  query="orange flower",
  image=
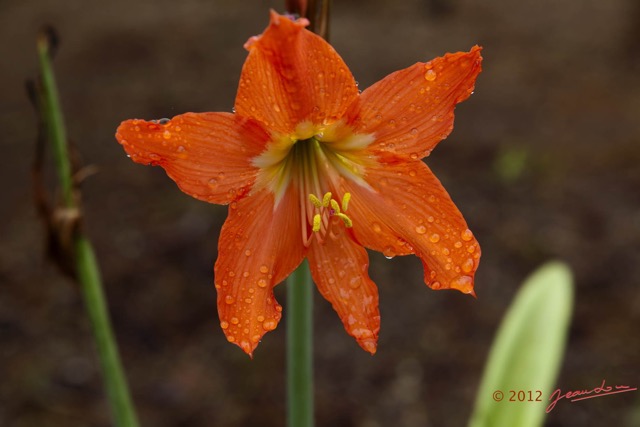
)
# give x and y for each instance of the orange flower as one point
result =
(312, 168)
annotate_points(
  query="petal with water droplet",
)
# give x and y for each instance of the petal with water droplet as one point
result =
(246, 300)
(346, 285)
(207, 145)
(304, 77)
(424, 95)
(418, 211)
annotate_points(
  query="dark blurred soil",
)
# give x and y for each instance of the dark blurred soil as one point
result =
(544, 162)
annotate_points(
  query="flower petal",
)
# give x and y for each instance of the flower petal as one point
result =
(408, 211)
(207, 154)
(292, 75)
(258, 248)
(411, 110)
(339, 269)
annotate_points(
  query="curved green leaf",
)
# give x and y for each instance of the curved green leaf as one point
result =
(527, 352)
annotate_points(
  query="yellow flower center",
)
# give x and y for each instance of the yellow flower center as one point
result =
(313, 160)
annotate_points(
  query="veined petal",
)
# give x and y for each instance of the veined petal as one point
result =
(207, 154)
(339, 269)
(258, 248)
(292, 75)
(408, 211)
(411, 110)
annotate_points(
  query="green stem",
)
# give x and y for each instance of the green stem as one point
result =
(115, 381)
(52, 114)
(300, 348)
(88, 273)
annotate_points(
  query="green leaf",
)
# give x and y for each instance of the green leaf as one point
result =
(527, 352)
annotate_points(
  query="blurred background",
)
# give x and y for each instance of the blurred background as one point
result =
(544, 162)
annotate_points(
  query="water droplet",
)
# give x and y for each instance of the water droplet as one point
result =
(342, 273)
(432, 274)
(436, 285)
(154, 156)
(221, 175)
(260, 318)
(180, 149)
(434, 238)
(414, 156)
(468, 265)
(247, 300)
(446, 251)
(471, 248)
(247, 252)
(376, 227)
(231, 338)
(224, 324)
(276, 108)
(166, 134)
(229, 299)
(262, 283)
(414, 131)
(245, 274)
(412, 173)
(432, 198)
(264, 269)
(354, 283)
(457, 245)
(278, 308)
(269, 325)
(421, 229)
(213, 183)
(255, 338)
(234, 320)
(362, 333)
(430, 75)
(462, 283)
(430, 219)
(163, 121)
(389, 252)
(232, 274)
(466, 235)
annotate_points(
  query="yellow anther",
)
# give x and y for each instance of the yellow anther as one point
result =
(317, 221)
(326, 199)
(335, 207)
(315, 201)
(347, 221)
(345, 201)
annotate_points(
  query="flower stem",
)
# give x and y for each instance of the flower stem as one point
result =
(85, 264)
(300, 348)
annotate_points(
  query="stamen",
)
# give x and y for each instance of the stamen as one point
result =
(326, 199)
(322, 217)
(345, 201)
(317, 221)
(315, 201)
(347, 221)
(335, 207)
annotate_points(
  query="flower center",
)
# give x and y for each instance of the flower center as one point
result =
(313, 160)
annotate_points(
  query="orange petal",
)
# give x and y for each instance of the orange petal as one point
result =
(207, 154)
(258, 248)
(411, 110)
(292, 75)
(339, 269)
(408, 211)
